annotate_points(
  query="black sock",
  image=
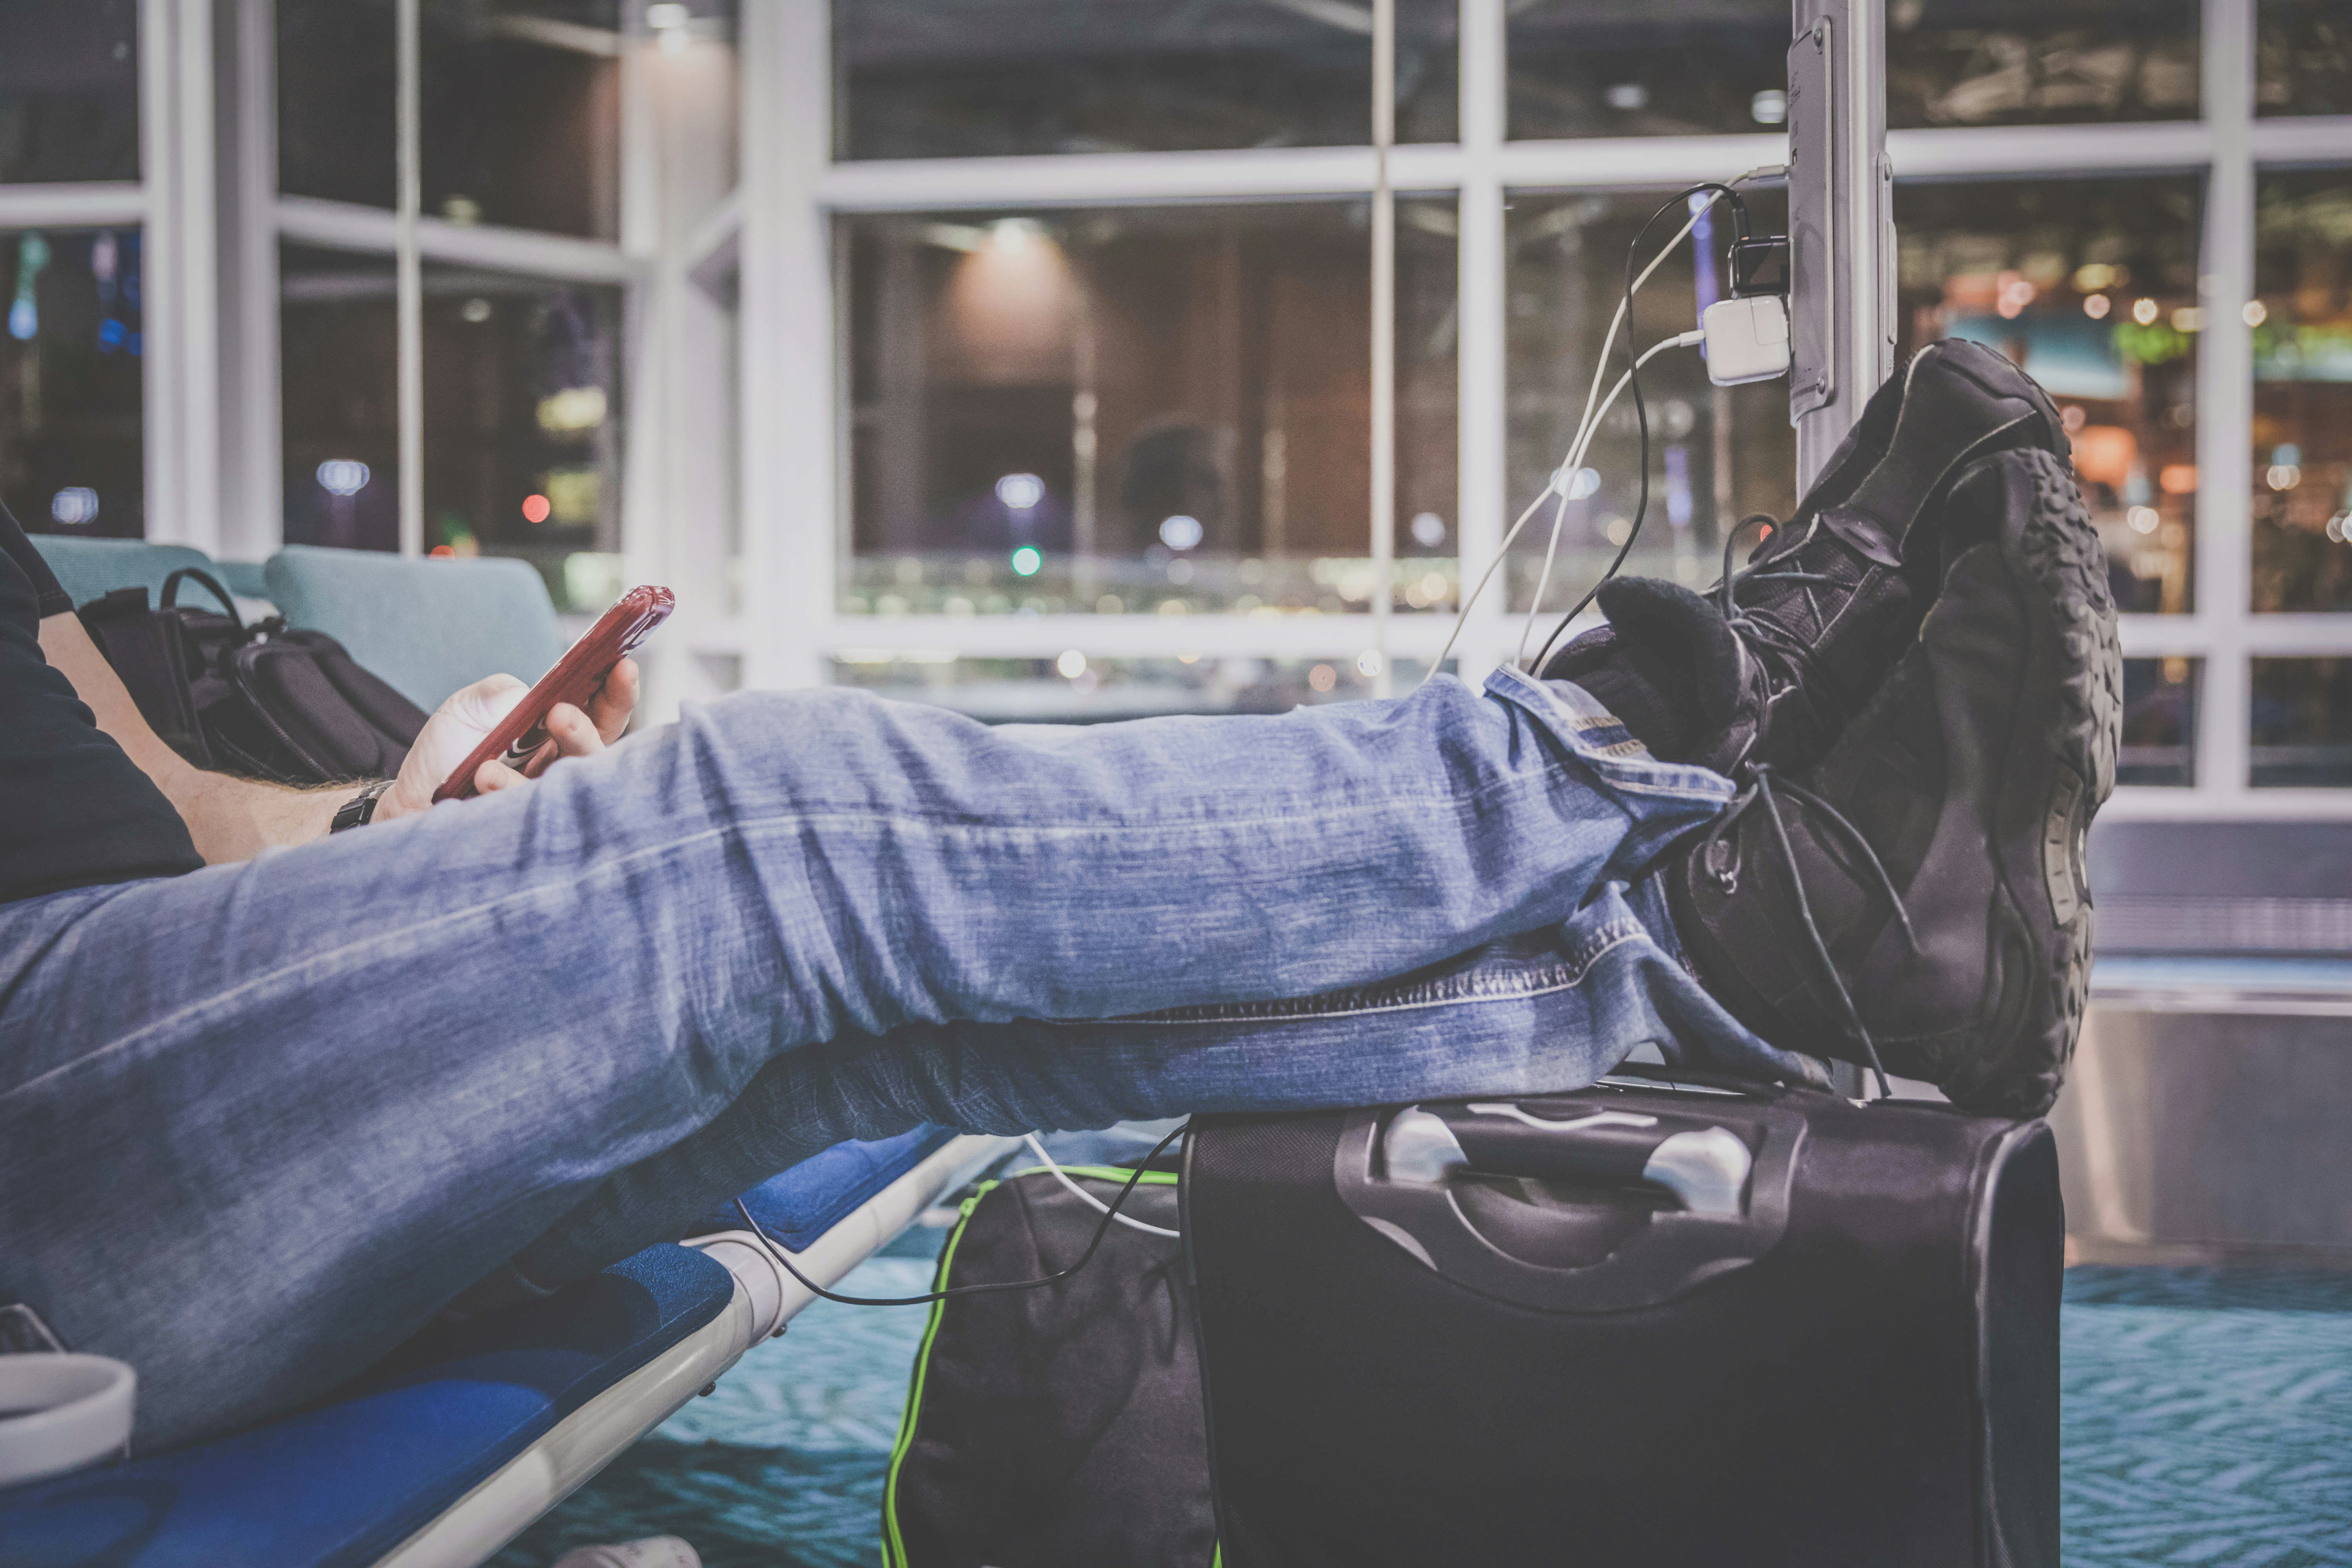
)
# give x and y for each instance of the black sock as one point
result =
(1652, 696)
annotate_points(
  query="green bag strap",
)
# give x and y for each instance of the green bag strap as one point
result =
(893, 1548)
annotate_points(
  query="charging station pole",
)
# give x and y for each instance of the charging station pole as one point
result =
(1841, 223)
(1841, 240)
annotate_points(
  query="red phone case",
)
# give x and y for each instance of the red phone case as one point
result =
(574, 680)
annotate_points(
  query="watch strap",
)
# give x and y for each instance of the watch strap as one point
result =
(358, 811)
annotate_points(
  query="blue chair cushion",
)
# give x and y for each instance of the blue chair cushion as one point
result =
(344, 1481)
(90, 569)
(820, 1191)
(426, 626)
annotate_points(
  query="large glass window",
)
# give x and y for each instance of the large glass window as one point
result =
(2302, 316)
(68, 90)
(2303, 59)
(522, 112)
(2092, 286)
(2301, 723)
(338, 347)
(1667, 69)
(1716, 454)
(71, 402)
(2040, 62)
(2159, 740)
(1134, 410)
(337, 86)
(522, 426)
(914, 78)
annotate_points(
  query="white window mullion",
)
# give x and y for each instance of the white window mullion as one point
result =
(1484, 461)
(181, 301)
(409, 275)
(252, 436)
(789, 353)
(2225, 395)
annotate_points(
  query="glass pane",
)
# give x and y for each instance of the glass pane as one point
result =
(1717, 453)
(1428, 71)
(1076, 690)
(521, 113)
(71, 412)
(522, 427)
(2302, 313)
(2303, 57)
(1672, 69)
(1134, 411)
(68, 90)
(915, 79)
(2091, 286)
(2301, 723)
(338, 368)
(336, 87)
(2159, 721)
(2040, 62)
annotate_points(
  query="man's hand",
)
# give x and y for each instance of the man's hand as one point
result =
(450, 736)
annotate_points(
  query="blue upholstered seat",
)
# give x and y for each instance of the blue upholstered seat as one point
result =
(90, 569)
(346, 1480)
(426, 626)
(819, 1192)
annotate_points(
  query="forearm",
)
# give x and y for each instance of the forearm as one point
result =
(235, 820)
(229, 818)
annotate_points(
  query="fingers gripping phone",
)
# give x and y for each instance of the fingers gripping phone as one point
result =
(574, 680)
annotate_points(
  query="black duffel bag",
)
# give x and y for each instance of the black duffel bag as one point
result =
(264, 700)
(1058, 1426)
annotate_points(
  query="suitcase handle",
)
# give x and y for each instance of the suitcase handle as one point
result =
(1702, 1163)
(1422, 1178)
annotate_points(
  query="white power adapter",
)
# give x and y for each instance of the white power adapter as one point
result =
(1747, 339)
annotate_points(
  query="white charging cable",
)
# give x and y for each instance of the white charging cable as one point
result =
(1562, 476)
(1575, 465)
(1089, 1198)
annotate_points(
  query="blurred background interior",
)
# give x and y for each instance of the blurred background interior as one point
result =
(1013, 355)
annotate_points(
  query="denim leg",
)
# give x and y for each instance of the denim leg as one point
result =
(1550, 1010)
(261, 1122)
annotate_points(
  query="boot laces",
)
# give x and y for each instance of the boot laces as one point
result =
(1761, 787)
(1782, 654)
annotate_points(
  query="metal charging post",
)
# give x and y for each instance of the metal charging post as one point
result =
(1841, 223)
(1841, 240)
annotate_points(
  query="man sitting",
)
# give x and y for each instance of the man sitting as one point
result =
(271, 1098)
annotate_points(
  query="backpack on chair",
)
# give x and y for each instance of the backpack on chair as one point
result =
(264, 700)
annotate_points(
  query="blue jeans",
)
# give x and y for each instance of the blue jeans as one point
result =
(259, 1123)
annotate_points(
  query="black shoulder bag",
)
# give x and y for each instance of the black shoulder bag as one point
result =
(266, 700)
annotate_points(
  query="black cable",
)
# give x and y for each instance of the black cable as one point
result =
(777, 1251)
(1633, 377)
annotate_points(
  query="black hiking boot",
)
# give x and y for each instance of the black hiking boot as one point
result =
(1774, 660)
(1917, 900)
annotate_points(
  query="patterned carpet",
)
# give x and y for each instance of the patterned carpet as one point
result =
(2207, 1422)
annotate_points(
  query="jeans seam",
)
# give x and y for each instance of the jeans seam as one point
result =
(1372, 1001)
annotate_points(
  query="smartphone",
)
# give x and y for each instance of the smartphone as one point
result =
(574, 680)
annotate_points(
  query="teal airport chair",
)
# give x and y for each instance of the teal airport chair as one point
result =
(448, 1449)
(90, 569)
(426, 626)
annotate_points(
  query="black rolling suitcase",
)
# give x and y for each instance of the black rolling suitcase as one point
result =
(1636, 1324)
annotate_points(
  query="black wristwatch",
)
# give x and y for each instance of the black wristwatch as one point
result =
(360, 809)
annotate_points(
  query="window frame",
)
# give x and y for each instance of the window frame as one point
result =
(794, 190)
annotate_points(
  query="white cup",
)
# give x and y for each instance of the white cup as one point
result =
(59, 1412)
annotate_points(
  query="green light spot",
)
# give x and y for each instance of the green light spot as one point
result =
(1027, 560)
